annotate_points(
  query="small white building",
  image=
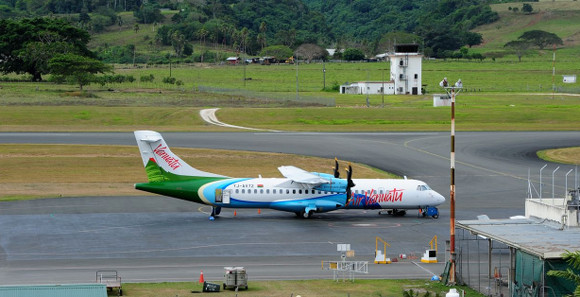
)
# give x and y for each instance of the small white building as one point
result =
(569, 79)
(406, 67)
(369, 87)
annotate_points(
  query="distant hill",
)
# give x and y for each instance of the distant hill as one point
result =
(560, 17)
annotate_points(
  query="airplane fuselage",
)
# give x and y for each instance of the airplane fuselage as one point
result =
(283, 194)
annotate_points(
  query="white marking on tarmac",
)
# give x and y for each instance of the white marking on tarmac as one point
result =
(425, 269)
(209, 116)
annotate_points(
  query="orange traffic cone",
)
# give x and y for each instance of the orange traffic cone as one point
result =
(201, 280)
(259, 211)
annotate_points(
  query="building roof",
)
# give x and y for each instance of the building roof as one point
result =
(542, 238)
(85, 290)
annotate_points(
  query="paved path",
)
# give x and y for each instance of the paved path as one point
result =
(208, 115)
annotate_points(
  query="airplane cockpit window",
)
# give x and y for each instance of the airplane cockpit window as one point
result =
(423, 188)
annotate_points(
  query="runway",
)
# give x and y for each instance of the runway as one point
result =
(162, 239)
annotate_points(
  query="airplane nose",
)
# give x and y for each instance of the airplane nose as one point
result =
(438, 198)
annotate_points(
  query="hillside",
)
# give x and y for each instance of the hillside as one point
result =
(560, 17)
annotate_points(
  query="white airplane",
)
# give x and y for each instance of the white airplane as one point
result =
(300, 192)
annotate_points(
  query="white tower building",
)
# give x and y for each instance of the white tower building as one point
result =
(406, 69)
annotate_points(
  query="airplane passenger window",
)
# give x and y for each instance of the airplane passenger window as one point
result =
(237, 191)
(293, 191)
(274, 191)
(261, 191)
(299, 191)
(305, 191)
(243, 191)
(267, 191)
(287, 191)
(255, 191)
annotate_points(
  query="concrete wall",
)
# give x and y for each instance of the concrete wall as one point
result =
(551, 209)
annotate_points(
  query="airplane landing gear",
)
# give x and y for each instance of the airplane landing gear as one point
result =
(215, 211)
(305, 215)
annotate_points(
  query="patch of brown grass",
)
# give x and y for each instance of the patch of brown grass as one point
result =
(569, 155)
(31, 170)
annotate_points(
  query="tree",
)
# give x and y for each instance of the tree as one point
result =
(472, 38)
(280, 52)
(527, 8)
(77, 68)
(573, 259)
(540, 38)
(519, 47)
(27, 44)
(262, 35)
(148, 14)
(310, 51)
(353, 54)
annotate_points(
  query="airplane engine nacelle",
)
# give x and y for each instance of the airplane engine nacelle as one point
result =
(336, 184)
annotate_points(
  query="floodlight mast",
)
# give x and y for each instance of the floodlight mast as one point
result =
(452, 91)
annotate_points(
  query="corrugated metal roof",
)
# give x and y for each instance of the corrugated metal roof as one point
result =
(541, 238)
(85, 290)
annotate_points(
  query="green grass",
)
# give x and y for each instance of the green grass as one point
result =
(307, 288)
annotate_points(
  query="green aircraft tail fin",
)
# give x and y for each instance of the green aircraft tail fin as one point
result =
(161, 164)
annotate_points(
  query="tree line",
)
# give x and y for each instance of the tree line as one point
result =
(251, 26)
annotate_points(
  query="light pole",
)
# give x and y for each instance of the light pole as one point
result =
(451, 91)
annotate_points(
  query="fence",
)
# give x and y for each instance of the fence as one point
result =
(285, 98)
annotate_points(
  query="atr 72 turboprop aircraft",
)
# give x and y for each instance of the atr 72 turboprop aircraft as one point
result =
(300, 192)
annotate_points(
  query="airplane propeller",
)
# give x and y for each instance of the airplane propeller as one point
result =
(336, 173)
(349, 183)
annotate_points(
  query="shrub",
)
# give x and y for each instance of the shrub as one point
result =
(147, 78)
(169, 80)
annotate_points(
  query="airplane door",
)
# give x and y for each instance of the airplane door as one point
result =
(218, 195)
(226, 196)
(222, 196)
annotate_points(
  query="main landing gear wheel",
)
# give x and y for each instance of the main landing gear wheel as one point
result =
(305, 215)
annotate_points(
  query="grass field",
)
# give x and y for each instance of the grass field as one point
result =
(312, 288)
(32, 171)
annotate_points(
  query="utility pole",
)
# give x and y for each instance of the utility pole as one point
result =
(324, 75)
(297, 96)
(368, 81)
(383, 88)
(452, 91)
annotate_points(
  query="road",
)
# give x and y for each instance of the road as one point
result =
(150, 238)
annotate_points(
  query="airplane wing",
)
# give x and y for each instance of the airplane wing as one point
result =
(302, 176)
